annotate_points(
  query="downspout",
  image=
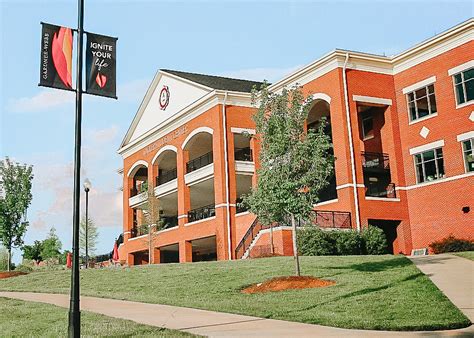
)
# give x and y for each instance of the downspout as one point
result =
(226, 167)
(351, 145)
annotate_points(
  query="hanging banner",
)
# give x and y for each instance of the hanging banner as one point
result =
(56, 57)
(100, 65)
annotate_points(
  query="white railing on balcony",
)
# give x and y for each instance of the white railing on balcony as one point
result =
(137, 199)
(199, 175)
(166, 188)
(244, 167)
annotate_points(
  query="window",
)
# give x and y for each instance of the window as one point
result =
(468, 151)
(464, 86)
(367, 126)
(421, 102)
(429, 165)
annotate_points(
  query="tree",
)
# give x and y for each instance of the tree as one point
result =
(295, 164)
(33, 251)
(151, 215)
(92, 234)
(51, 245)
(15, 184)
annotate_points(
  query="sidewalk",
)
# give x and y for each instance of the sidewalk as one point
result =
(215, 324)
(454, 276)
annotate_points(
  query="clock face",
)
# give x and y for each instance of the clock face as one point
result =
(164, 97)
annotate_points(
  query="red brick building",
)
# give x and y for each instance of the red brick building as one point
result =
(403, 135)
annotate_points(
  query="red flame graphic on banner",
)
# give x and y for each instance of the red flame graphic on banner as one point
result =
(101, 80)
(62, 55)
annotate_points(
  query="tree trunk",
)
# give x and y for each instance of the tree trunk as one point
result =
(9, 258)
(149, 243)
(295, 246)
(272, 248)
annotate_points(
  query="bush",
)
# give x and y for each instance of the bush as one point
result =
(452, 244)
(313, 241)
(24, 268)
(375, 242)
(3, 259)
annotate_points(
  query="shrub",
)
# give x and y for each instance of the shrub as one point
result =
(375, 242)
(3, 259)
(24, 268)
(313, 241)
(452, 244)
(348, 243)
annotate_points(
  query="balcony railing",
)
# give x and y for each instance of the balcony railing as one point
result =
(381, 190)
(201, 213)
(375, 161)
(243, 154)
(169, 222)
(142, 187)
(139, 230)
(199, 162)
(332, 219)
(166, 176)
(239, 207)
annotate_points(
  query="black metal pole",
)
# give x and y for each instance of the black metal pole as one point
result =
(87, 227)
(74, 329)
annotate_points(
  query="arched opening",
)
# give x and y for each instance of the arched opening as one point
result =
(319, 112)
(139, 179)
(199, 149)
(165, 167)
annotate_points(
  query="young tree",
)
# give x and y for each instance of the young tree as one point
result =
(151, 216)
(33, 251)
(92, 234)
(51, 245)
(15, 185)
(295, 164)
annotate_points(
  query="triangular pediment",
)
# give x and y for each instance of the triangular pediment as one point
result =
(167, 95)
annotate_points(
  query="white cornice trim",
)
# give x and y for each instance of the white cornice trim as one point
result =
(372, 99)
(195, 132)
(419, 85)
(425, 147)
(460, 68)
(465, 136)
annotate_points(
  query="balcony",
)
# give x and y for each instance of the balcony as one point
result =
(199, 162)
(166, 183)
(138, 196)
(139, 230)
(201, 213)
(381, 190)
(168, 222)
(239, 208)
(243, 154)
(375, 162)
(166, 176)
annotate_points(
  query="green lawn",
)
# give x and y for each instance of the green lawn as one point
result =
(372, 292)
(29, 319)
(465, 254)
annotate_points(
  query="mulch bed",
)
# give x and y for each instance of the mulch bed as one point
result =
(8, 274)
(288, 283)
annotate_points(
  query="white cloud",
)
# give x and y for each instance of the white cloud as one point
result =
(260, 74)
(133, 91)
(44, 100)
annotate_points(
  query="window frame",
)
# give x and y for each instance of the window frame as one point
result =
(463, 84)
(366, 137)
(435, 159)
(463, 152)
(428, 94)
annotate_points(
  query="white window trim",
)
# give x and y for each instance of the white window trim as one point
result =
(410, 121)
(383, 199)
(461, 68)
(462, 105)
(372, 99)
(465, 136)
(424, 118)
(236, 130)
(418, 85)
(426, 147)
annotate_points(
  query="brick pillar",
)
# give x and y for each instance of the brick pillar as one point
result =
(184, 198)
(156, 256)
(130, 259)
(185, 251)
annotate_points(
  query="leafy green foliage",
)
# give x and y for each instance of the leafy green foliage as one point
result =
(15, 183)
(452, 244)
(375, 241)
(33, 251)
(294, 164)
(312, 241)
(51, 245)
(92, 234)
(3, 259)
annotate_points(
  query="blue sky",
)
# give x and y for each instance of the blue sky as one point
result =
(246, 39)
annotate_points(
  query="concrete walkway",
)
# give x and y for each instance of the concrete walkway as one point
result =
(453, 275)
(215, 324)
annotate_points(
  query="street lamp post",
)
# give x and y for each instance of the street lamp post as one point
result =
(87, 187)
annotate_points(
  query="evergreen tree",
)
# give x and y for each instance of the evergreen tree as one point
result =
(51, 245)
(92, 234)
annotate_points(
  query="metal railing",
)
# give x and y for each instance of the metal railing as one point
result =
(169, 222)
(243, 154)
(239, 207)
(142, 187)
(199, 162)
(332, 219)
(375, 161)
(381, 190)
(166, 176)
(248, 238)
(139, 230)
(201, 213)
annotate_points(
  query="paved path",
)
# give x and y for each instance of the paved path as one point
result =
(215, 324)
(454, 276)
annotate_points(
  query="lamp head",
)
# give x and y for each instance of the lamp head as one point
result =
(87, 185)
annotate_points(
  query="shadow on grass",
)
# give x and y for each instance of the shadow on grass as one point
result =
(377, 266)
(426, 260)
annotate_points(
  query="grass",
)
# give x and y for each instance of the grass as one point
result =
(371, 292)
(465, 254)
(29, 319)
